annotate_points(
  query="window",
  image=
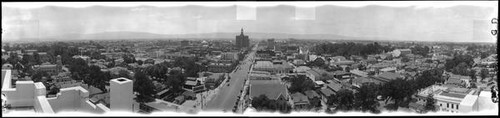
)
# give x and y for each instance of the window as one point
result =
(452, 106)
(440, 105)
(447, 105)
(457, 106)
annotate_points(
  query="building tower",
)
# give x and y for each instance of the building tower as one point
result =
(121, 94)
(59, 63)
(242, 41)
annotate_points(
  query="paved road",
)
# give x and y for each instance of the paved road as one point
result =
(228, 95)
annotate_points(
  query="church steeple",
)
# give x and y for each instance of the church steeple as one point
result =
(241, 32)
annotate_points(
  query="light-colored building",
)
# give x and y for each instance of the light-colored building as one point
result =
(457, 100)
(229, 56)
(31, 95)
(274, 67)
(400, 52)
(121, 94)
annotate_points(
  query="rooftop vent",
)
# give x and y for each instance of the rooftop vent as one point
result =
(122, 80)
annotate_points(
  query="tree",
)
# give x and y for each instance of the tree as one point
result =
(461, 69)
(429, 105)
(472, 74)
(140, 62)
(144, 87)
(175, 79)
(405, 59)
(128, 58)
(97, 78)
(260, 102)
(79, 69)
(54, 90)
(300, 84)
(467, 61)
(428, 78)
(345, 100)
(484, 73)
(398, 90)
(38, 75)
(365, 99)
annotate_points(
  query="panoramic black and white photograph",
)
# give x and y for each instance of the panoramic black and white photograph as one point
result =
(301, 58)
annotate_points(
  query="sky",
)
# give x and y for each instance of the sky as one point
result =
(462, 21)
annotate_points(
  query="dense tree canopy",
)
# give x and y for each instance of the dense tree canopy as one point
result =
(399, 90)
(38, 75)
(365, 98)
(430, 104)
(344, 100)
(350, 48)
(484, 73)
(97, 78)
(428, 78)
(300, 83)
(420, 50)
(143, 86)
(459, 64)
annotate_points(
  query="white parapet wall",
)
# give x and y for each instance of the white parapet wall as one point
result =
(21, 96)
(121, 94)
(30, 94)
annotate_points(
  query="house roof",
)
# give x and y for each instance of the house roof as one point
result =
(334, 86)
(389, 75)
(189, 93)
(311, 94)
(263, 64)
(191, 83)
(454, 81)
(272, 90)
(416, 106)
(338, 72)
(362, 80)
(299, 97)
(359, 73)
(326, 92)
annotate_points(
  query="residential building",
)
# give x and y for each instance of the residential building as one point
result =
(300, 101)
(192, 84)
(273, 91)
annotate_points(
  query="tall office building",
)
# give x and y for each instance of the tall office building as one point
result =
(270, 44)
(242, 41)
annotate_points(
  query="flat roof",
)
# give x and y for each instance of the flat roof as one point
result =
(455, 95)
(469, 100)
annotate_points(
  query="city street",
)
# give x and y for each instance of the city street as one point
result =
(226, 98)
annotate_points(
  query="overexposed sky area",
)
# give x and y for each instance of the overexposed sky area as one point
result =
(461, 21)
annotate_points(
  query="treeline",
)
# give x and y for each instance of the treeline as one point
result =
(459, 65)
(349, 48)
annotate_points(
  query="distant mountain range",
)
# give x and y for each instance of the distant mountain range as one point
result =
(224, 35)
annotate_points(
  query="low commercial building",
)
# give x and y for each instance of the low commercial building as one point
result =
(274, 67)
(457, 100)
(193, 85)
(219, 67)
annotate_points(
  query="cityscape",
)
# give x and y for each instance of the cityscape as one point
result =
(104, 59)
